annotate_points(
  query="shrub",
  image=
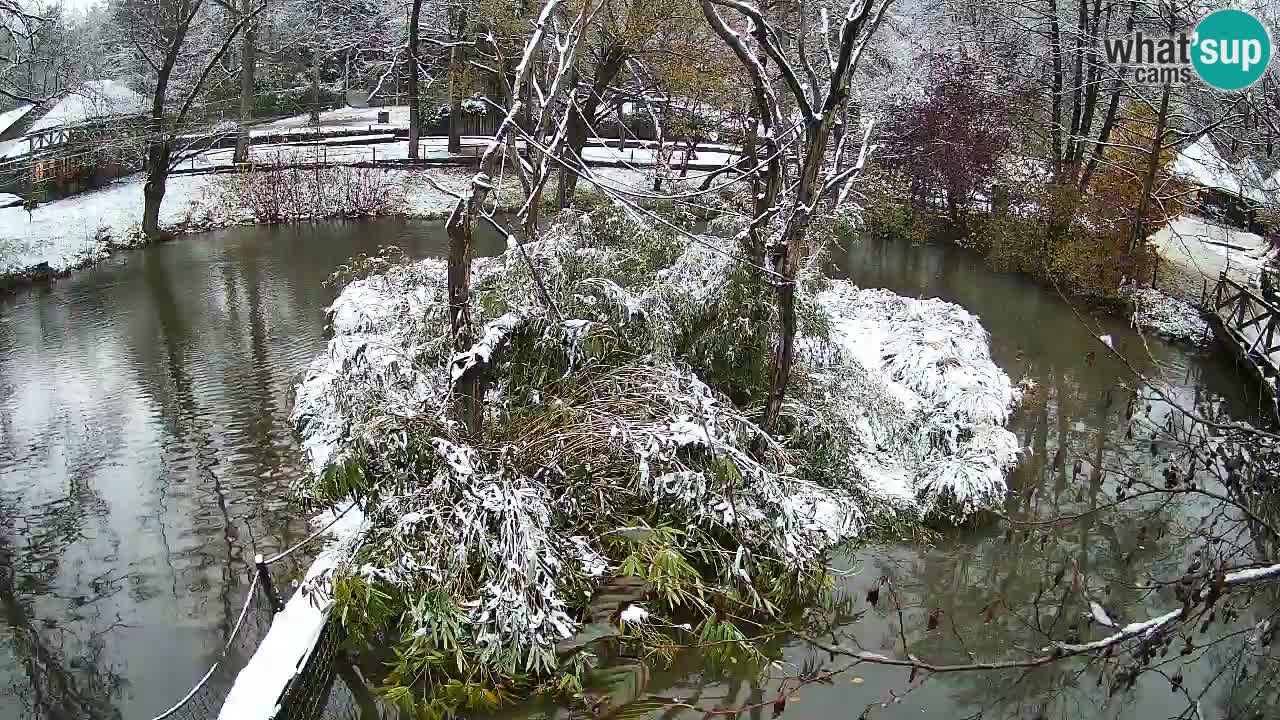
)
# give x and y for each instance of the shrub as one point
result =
(284, 191)
(888, 211)
(1052, 236)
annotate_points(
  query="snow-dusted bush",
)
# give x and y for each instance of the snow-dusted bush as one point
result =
(1168, 317)
(935, 434)
(476, 105)
(285, 191)
(620, 437)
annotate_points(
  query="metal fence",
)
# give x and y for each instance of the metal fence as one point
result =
(328, 687)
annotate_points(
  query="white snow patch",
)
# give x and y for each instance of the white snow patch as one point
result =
(1206, 248)
(931, 404)
(495, 335)
(284, 652)
(633, 615)
(80, 230)
(1168, 317)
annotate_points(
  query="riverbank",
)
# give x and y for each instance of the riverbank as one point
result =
(59, 237)
(1195, 251)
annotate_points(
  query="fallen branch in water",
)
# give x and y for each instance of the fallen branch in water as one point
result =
(1219, 585)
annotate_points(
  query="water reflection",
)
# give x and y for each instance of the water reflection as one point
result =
(145, 456)
(1002, 592)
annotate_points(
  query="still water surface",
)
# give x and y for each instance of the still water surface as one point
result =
(146, 455)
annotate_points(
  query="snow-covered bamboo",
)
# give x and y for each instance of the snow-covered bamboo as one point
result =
(908, 404)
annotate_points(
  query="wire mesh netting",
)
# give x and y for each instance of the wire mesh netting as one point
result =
(328, 687)
(207, 699)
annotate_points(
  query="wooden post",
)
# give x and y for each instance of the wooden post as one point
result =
(264, 577)
(31, 168)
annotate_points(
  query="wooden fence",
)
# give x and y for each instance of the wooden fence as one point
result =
(1247, 322)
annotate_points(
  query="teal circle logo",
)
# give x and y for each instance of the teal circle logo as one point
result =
(1232, 49)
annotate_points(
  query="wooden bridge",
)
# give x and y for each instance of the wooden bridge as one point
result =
(1246, 321)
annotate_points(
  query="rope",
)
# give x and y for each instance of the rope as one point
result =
(248, 600)
(244, 611)
(313, 536)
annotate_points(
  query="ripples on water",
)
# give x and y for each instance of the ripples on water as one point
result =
(145, 456)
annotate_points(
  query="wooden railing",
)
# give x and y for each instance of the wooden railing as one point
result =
(1251, 316)
(1247, 321)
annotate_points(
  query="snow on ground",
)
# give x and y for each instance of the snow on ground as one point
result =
(641, 156)
(74, 232)
(1168, 317)
(343, 118)
(334, 150)
(1204, 249)
(284, 652)
(377, 147)
(9, 199)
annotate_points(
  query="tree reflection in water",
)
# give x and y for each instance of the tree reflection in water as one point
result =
(57, 671)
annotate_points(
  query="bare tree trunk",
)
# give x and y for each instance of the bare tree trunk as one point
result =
(456, 61)
(622, 128)
(153, 190)
(1077, 95)
(1109, 120)
(1055, 119)
(564, 178)
(315, 86)
(459, 229)
(1149, 176)
(247, 61)
(581, 120)
(415, 121)
(158, 151)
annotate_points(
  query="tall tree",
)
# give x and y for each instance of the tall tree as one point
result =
(457, 68)
(415, 119)
(782, 222)
(175, 50)
(248, 59)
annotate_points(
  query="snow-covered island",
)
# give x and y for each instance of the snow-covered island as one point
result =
(620, 438)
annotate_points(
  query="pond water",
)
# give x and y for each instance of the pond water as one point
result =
(146, 456)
